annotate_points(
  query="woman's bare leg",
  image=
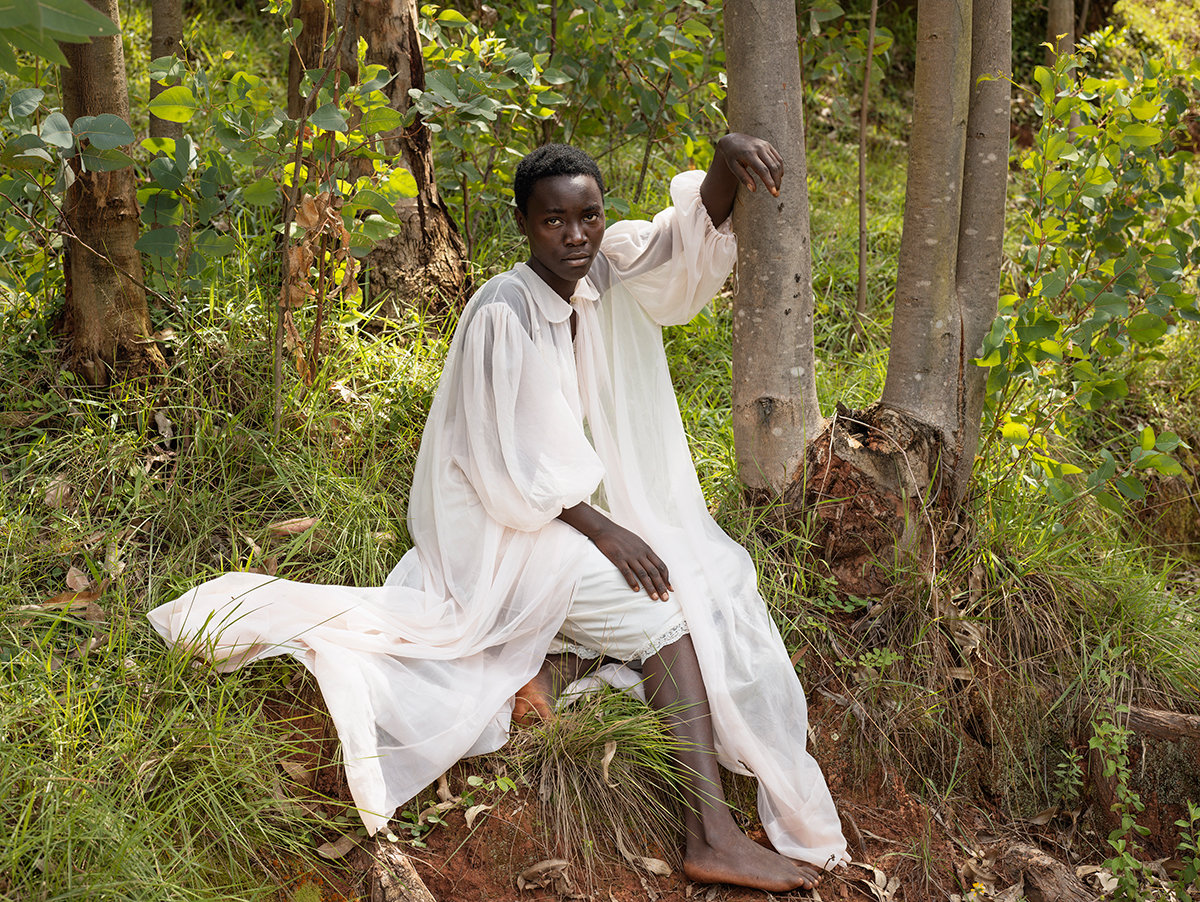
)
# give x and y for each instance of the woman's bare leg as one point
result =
(717, 851)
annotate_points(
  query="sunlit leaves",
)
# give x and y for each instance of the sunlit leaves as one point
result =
(176, 104)
(1110, 239)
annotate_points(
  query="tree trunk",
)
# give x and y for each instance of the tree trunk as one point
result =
(426, 264)
(775, 409)
(105, 318)
(1060, 20)
(308, 51)
(166, 39)
(889, 476)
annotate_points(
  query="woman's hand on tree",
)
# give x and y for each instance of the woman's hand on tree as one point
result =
(739, 158)
(641, 567)
(748, 157)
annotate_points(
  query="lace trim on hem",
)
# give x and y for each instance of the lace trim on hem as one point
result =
(661, 641)
(588, 654)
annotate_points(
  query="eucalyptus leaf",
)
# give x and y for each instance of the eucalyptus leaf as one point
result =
(176, 104)
(25, 101)
(158, 243)
(56, 130)
(105, 131)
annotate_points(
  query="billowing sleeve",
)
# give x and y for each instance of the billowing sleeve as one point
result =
(677, 263)
(521, 447)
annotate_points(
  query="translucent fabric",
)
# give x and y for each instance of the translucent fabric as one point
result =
(422, 671)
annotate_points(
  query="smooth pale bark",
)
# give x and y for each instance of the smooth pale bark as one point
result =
(1060, 20)
(775, 410)
(948, 281)
(427, 262)
(105, 318)
(923, 363)
(981, 222)
(166, 37)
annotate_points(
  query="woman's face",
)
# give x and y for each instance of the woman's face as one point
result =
(564, 222)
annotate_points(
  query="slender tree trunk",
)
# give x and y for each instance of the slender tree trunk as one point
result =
(166, 39)
(860, 303)
(925, 325)
(775, 408)
(426, 264)
(105, 318)
(889, 477)
(1060, 20)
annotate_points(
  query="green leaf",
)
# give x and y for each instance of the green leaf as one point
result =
(1130, 487)
(213, 244)
(25, 101)
(97, 160)
(176, 104)
(158, 243)
(555, 77)
(33, 40)
(8, 59)
(162, 208)
(452, 18)
(1167, 442)
(14, 13)
(1015, 433)
(1051, 284)
(56, 130)
(1110, 502)
(1147, 439)
(368, 199)
(262, 193)
(105, 131)
(400, 182)
(163, 171)
(74, 20)
(1143, 109)
(328, 117)
(381, 119)
(1135, 135)
(1045, 79)
(1146, 328)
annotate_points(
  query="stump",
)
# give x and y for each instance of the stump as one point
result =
(394, 879)
(1047, 879)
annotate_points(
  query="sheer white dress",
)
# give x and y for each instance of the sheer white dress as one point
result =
(422, 671)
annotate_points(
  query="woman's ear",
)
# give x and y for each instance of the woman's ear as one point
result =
(520, 217)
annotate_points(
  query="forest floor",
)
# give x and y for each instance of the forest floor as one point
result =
(904, 846)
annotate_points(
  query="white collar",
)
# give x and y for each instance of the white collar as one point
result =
(548, 301)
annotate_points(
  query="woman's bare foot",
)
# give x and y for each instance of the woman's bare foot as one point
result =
(535, 700)
(741, 861)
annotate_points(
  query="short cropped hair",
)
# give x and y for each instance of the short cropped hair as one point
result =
(548, 161)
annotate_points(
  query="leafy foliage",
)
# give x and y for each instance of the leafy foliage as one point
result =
(633, 74)
(1107, 270)
(36, 26)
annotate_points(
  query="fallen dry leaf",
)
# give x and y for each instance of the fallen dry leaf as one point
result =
(338, 848)
(78, 580)
(443, 789)
(293, 527)
(542, 873)
(297, 771)
(655, 866)
(610, 752)
(58, 493)
(165, 427)
(474, 811)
